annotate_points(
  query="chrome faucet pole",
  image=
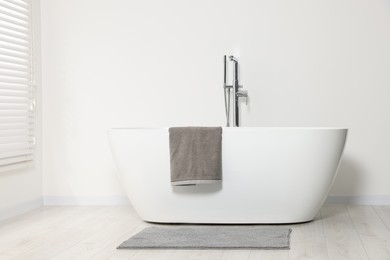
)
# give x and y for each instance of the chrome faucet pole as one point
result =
(236, 114)
(237, 93)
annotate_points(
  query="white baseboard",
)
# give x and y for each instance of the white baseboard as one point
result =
(360, 200)
(85, 200)
(20, 208)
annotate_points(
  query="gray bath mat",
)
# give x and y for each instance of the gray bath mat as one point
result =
(210, 237)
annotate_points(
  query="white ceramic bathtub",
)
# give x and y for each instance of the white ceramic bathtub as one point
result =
(270, 175)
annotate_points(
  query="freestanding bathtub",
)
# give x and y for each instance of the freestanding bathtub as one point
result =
(270, 175)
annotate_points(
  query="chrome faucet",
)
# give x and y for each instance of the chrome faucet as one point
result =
(237, 94)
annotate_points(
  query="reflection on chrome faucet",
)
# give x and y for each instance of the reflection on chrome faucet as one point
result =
(237, 93)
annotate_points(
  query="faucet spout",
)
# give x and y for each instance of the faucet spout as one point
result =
(231, 58)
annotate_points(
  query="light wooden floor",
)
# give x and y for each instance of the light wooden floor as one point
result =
(339, 232)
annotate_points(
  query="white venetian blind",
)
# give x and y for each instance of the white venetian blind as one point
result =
(16, 85)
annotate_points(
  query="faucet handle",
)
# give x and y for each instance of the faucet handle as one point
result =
(243, 93)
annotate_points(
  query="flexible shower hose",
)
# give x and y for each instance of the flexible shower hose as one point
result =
(227, 105)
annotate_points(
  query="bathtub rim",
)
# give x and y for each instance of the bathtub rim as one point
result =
(241, 127)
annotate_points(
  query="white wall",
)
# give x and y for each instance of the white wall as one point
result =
(21, 190)
(159, 63)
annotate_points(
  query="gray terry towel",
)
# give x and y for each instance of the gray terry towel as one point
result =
(196, 155)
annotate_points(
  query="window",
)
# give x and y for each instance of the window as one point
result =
(16, 85)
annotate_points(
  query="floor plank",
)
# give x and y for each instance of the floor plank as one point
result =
(308, 240)
(268, 254)
(372, 231)
(342, 240)
(21, 239)
(109, 230)
(62, 237)
(384, 213)
(111, 251)
(196, 255)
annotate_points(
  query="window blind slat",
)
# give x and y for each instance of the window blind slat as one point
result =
(19, 104)
(16, 139)
(13, 34)
(13, 73)
(14, 86)
(13, 47)
(15, 153)
(15, 132)
(15, 54)
(24, 147)
(10, 20)
(5, 79)
(14, 107)
(17, 126)
(12, 27)
(12, 13)
(13, 93)
(13, 67)
(13, 41)
(15, 8)
(17, 159)
(15, 120)
(16, 166)
(22, 4)
(14, 61)
(14, 101)
(5, 114)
